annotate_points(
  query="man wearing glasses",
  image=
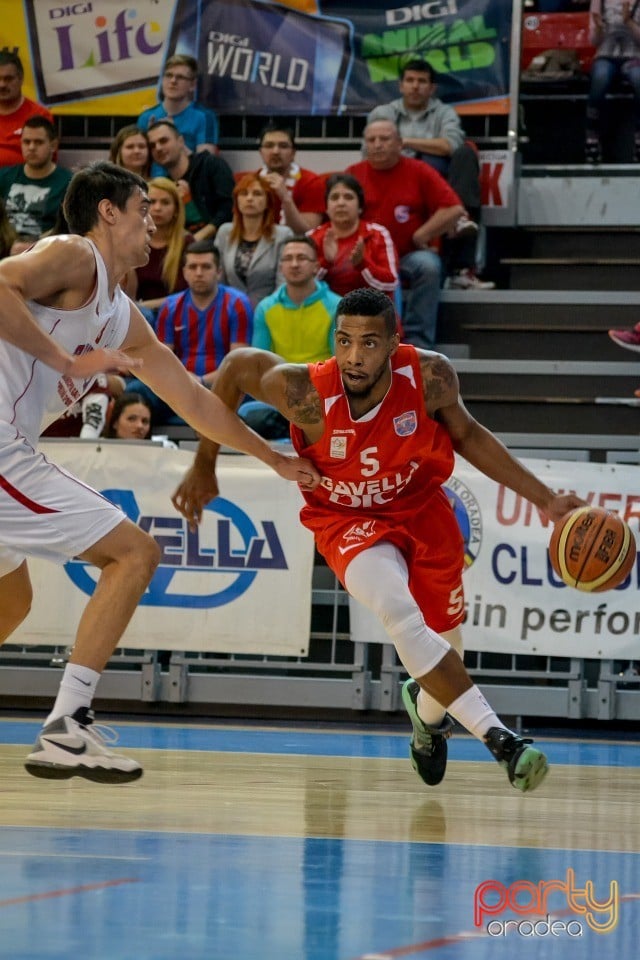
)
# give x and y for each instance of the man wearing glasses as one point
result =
(197, 124)
(297, 322)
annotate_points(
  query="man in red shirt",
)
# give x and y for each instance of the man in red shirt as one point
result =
(299, 192)
(14, 108)
(417, 206)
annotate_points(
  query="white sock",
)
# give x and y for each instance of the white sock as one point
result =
(429, 710)
(77, 689)
(473, 712)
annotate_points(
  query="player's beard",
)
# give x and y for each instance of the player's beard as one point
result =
(368, 386)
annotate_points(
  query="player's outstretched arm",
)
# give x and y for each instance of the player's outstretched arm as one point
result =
(262, 375)
(479, 446)
(212, 417)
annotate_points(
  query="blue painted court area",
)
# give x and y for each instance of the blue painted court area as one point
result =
(306, 888)
(151, 896)
(342, 743)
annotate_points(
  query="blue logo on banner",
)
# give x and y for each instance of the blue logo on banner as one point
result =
(234, 562)
(467, 511)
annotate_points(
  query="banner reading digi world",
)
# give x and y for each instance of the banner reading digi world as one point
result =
(342, 56)
(308, 57)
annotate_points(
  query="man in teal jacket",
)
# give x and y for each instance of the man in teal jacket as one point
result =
(297, 322)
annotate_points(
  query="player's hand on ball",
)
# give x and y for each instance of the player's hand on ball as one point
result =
(561, 505)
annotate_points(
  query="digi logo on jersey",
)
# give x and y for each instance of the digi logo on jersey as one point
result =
(226, 553)
(467, 511)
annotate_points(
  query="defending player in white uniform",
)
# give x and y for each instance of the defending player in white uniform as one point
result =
(63, 320)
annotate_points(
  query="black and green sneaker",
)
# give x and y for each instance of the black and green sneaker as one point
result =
(428, 747)
(526, 765)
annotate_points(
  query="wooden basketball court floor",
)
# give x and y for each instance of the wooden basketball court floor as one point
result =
(318, 843)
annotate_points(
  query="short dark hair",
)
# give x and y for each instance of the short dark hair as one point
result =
(11, 58)
(419, 66)
(273, 127)
(302, 238)
(367, 302)
(164, 122)
(37, 121)
(201, 246)
(98, 181)
(350, 182)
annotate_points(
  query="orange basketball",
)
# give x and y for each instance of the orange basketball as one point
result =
(592, 549)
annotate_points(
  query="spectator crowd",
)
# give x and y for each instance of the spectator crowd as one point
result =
(258, 257)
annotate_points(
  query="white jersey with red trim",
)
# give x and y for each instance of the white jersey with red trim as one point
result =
(32, 394)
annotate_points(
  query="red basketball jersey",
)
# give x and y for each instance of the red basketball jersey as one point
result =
(389, 462)
(382, 479)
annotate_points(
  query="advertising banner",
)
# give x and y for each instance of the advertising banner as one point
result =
(308, 57)
(240, 583)
(515, 603)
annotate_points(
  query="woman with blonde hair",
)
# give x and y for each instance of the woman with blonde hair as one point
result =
(162, 275)
(250, 245)
(130, 149)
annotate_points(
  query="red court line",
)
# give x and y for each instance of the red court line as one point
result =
(427, 945)
(31, 897)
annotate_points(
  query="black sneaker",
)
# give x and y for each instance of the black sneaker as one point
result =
(428, 747)
(526, 765)
(71, 747)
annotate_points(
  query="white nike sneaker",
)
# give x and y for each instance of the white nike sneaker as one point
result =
(70, 747)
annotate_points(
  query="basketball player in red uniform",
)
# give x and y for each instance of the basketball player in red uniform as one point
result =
(380, 422)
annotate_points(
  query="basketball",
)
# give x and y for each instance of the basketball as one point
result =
(592, 549)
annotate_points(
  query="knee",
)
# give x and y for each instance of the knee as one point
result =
(423, 269)
(150, 555)
(142, 554)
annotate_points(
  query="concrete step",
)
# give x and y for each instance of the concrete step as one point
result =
(502, 415)
(548, 241)
(563, 273)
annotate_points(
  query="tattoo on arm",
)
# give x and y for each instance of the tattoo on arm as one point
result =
(438, 380)
(301, 397)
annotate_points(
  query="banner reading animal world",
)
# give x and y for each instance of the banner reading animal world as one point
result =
(515, 603)
(307, 57)
(240, 583)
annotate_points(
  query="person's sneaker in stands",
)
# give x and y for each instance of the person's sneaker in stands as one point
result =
(465, 227)
(629, 339)
(467, 280)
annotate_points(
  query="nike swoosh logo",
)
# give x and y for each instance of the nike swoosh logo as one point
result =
(85, 683)
(350, 546)
(67, 746)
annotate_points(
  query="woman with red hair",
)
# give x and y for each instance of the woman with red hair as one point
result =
(249, 246)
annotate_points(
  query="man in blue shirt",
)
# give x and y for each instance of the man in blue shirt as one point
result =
(201, 324)
(197, 124)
